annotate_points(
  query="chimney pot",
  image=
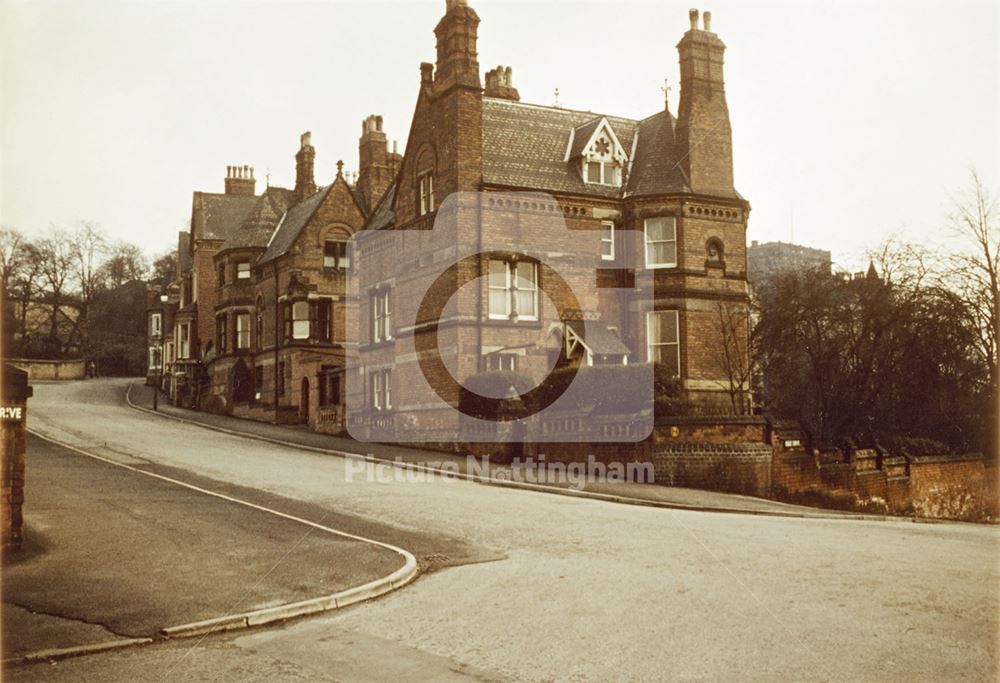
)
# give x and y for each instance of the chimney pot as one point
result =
(693, 16)
(707, 20)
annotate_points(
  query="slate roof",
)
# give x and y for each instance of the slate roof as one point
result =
(224, 213)
(259, 225)
(581, 134)
(294, 220)
(383, 214)
(656, 168)
(524, 146)
(599, 339)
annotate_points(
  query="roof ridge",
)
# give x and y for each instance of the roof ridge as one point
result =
(501, 100)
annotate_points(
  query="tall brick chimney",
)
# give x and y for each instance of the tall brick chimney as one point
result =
(240, 180)
(456, 88)
(703, 131)
(305, 158)
(378, 165)
(457, 60)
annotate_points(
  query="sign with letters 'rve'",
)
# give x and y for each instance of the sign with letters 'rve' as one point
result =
(11, 413)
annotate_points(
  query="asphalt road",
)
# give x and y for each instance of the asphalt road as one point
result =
(578, 590)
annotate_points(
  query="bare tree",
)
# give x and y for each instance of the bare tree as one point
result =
(975, 276)
(976, 271)
(55, 255)
(88, 248)
(732, 352)
(125, 263)
(12, 244)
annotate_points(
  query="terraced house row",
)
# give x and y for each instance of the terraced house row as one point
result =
(256, 324)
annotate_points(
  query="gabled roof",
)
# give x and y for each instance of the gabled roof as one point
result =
(528, 146)
(291, 224)
(224, 213)
(583, 136)
(524, 146)
(597, 338)
(256, 229)
(656, 165)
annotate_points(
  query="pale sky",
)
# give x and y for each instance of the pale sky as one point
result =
(852, 121)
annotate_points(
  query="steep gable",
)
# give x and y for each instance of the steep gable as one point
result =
(335, 203)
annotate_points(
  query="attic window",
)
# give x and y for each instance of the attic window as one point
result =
(602, 157)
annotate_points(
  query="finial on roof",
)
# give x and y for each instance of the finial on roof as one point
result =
(557, 97)
(340, 169)
(666, 93)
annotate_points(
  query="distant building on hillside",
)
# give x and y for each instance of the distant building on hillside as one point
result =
(771, 258)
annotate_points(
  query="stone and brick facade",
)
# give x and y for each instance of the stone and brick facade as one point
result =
(654, 195)
(253, 325)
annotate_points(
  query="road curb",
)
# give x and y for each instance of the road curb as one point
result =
(229, 622)
(540, 488)
(269, 615)
(78, 651)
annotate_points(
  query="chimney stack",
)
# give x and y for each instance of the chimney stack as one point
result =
(240, 180)
(457, 60)
(305, 160)
(499, 83)
(377, 166)
(703, 132)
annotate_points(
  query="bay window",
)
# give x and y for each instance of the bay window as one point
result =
(661, 242)
(242, 330)
(513, 290)
(663, 339)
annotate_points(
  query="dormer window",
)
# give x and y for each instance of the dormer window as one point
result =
(599, 153)
(603, 171)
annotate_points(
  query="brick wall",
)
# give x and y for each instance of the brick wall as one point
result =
(952, 487)
(731, 467)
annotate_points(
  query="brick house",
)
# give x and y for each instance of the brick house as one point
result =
(261, 285)
(654, 195)
(259, 328)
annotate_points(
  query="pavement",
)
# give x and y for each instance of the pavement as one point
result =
(537, 587)
(112, 555)
(638, 493)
